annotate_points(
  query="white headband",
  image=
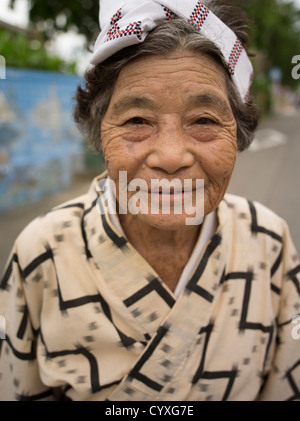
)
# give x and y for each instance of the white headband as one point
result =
(127, 22)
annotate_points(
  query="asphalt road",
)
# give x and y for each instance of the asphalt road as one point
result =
(269, 173)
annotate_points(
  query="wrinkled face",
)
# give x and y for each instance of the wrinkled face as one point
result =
(170, 118)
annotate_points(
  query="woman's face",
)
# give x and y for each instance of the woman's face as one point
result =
(170, 118)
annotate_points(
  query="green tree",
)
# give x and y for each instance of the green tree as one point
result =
(21, 51)
(53, 15)
(275, 34)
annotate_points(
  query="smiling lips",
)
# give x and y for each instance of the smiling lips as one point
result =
(170, 194)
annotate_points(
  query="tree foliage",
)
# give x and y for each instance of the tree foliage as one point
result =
(19, 51)
(275, 34)
(275, 29)
(53, 15)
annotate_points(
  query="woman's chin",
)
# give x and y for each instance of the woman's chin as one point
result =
(170, 222)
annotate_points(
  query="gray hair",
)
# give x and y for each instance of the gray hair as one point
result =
(167, 37)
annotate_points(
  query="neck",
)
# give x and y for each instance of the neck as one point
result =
(167, 251)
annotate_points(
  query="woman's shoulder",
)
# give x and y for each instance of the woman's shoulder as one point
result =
(63, 222)
(258, 216)
(240, 203)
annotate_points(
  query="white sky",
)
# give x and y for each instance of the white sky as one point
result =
(19, 16)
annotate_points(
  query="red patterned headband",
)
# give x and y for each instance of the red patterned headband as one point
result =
(124, 23)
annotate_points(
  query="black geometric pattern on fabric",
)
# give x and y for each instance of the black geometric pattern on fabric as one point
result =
(22, 327)
(6, 276)
(119, 241)
(154, 285)
(292, 276)
(135, 372)
(25, 356)
(292, 382)
(83, 233)
(277, 263)
(245, 324)
(37, 262)
(95, 385)
(193, 282)
(255, 228)
(64, 305)
(207, 330)
(231, 375)
(97, 298)
(94, 370)
(31, 398)
(31, 266)
(162, 331)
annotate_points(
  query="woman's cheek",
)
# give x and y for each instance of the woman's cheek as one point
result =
(113, 153)
(219, 159)
(121, 155)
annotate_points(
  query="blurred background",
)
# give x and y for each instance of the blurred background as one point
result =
(44, 51)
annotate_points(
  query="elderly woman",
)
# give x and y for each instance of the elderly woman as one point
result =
(108, 298)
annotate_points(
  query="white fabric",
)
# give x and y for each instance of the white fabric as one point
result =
(124, 23)
(208, 229)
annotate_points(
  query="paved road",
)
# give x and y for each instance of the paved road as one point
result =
(268, 173)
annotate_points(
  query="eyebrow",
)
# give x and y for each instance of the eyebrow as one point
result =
(208, 99)
(196, 100)
(133, 102)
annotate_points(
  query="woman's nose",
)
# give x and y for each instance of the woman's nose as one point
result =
(171, 151)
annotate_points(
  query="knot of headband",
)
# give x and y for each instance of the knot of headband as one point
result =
(124, 23)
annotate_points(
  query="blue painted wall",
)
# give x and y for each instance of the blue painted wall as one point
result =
(40, 147)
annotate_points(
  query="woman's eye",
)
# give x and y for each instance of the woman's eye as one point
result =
(136, 120)
(204, 121)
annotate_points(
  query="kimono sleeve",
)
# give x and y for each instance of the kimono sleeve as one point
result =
(283, 381)
(19, 370)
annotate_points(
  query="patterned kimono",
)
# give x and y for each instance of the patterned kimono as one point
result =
(87, 315)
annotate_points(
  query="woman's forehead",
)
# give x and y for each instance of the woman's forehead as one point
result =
(171, 64)
(178, 72)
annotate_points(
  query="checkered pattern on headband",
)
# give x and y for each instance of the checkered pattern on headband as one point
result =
(116, 17)
(132, 29)
(199, 15)
(170, 15)
(234, 56)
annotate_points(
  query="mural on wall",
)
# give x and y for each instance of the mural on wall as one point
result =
(40, 146)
